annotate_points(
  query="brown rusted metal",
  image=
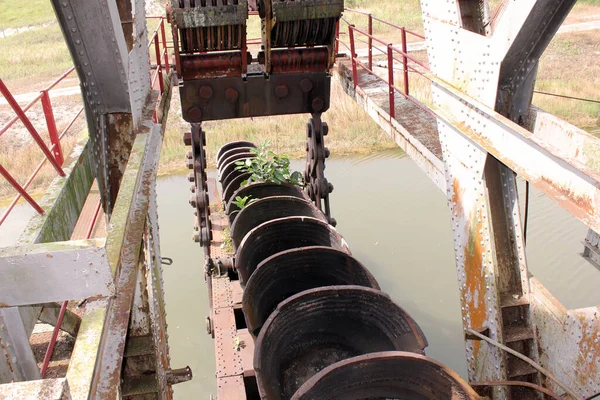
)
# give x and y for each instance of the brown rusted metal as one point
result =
(230, 146)
(231, 152)
(234, 184)
(262, 190)
(268, 209)
(293, 271)
(297, 60)
(212, 65)
(283, 234)
(319, 327)
(392, 374)
(256, 96)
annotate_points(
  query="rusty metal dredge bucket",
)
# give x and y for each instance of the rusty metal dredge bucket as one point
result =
(387, 375)
(231, 146)
(293, 271)
(268, 209)
(283, 234)
(260, 191)
(229, 167)
(236, 178)
(319, 327)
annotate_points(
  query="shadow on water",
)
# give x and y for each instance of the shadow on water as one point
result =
(397, 224)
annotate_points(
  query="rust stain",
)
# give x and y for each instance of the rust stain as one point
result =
(589, 351)
(49, 255)
(474, 294)
(583, 203)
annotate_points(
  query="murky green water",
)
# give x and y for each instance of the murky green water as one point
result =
(398, 225)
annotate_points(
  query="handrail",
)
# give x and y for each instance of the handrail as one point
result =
(53, 153)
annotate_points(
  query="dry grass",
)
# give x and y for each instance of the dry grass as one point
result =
(571, 66)
(18, 13)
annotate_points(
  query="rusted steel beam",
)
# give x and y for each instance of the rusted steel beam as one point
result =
(262, 190)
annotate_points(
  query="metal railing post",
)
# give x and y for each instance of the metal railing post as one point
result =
(165, 48)
(405, 60)
(370, 31)
(353, 55)
(337, 38)
(21, 114)
(161, 84)
(51, 124)
(392, 90)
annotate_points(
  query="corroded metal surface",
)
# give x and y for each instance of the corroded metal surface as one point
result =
(270, 208)
(388, 375)
(283, 234)
(232, 148)
(318, 327)
(293, 271)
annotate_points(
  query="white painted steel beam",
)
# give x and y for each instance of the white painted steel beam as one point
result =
(47, 389)
(54, 272)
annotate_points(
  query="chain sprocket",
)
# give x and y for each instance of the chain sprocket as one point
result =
(199, 200)
(317, 186)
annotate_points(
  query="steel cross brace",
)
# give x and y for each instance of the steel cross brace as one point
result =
(494, 63)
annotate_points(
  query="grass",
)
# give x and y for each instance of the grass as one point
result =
(32, 57)
(571, 66)
(19, 13)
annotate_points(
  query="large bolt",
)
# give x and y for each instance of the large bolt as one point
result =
(325, 129)
(193, 201)
(196, 237)
(281, 91)
(194, 114)
(189, 163)
(327, 152)
(231, 95)
(205, 92)
(187, 138)
(193, 188)
(317, 104)
(190, 155)
(306, 85)
(191, 177)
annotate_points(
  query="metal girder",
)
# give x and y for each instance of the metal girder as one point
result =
(17, 362)
(47, 389)
(43, 273)
(130, 217)
(473, 76)
(95, 38)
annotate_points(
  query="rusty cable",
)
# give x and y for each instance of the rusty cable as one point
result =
(518, 383)
(528, 360)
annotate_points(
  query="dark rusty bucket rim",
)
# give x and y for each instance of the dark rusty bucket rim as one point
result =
(233, 145)
(291, 199)
(413, 358)
(265, 184)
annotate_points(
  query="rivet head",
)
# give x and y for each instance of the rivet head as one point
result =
(194, 114)
(231, 95)
(281, 91)
(205, 92)
(306, 85)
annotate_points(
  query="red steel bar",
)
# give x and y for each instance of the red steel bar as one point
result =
(63, 307)
(15, 106)
(51, 124)
(164, 41)
(392, 88)
(404, 61)
(337, 37)
(353, 55)
(370, 41)
(21, 191)
(161, 84)
(32, 102)
(36, 171)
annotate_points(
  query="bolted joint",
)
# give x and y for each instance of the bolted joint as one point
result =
(281, 91)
